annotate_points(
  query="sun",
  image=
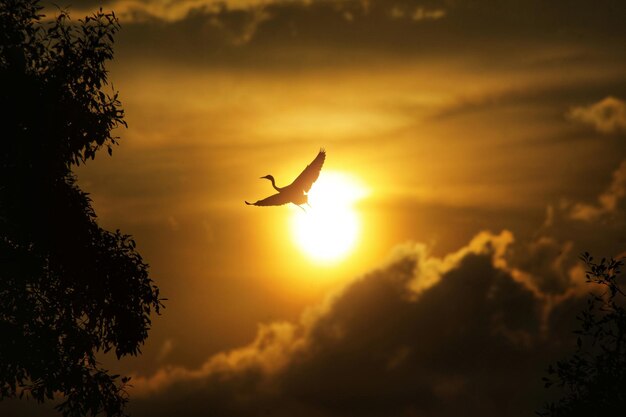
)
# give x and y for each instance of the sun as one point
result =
(329, 230)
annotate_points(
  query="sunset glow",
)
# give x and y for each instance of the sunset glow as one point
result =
(328, 230)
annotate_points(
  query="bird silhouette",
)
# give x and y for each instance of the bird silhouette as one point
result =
(296, 192)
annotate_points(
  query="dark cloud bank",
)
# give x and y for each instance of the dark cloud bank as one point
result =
(468, 334)
(296, 34)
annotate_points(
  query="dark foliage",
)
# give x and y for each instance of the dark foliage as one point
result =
(593, 379)
(68, 288)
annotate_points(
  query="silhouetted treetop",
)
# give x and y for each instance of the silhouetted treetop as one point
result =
(68, 288)
(54, 76)
(593, 379)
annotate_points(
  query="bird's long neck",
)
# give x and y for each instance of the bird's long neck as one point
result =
(274, 184)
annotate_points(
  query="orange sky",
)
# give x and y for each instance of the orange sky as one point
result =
(502, 120)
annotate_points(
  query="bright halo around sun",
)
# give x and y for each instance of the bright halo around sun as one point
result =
(328, 230)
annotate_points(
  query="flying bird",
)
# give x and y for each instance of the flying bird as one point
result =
(296, 192)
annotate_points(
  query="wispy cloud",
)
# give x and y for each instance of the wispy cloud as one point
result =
(607, 201)
(417, 13)
(606, 116)
(171, 10)
(165, 350)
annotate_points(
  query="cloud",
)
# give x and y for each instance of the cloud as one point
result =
(133, 11)
(166, 349)
(237, 21)
(422, 13)
(431, 27)
(266, 355)
(547, 263)
(314, 34)
(174, 11)
(421, 335)
(418, 13)
(607, 201)
(606, 116)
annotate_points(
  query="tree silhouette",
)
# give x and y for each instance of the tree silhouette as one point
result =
(68, 288)
(593, 379)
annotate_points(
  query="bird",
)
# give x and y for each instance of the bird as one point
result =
(296, 192)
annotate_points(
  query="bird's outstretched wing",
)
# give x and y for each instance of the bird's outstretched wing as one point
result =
(310, 174)
(274, 200)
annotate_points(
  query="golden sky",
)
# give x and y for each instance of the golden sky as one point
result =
(489, 141)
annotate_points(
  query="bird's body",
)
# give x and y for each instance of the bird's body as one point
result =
(296, 192)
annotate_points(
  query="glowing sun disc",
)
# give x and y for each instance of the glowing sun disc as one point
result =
(329, 229)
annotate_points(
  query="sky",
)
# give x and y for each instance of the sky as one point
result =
(481, 143)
